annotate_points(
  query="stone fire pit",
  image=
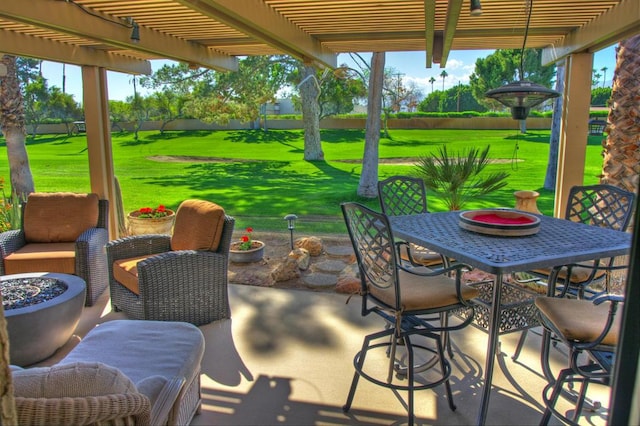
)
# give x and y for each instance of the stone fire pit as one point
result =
(47, 316)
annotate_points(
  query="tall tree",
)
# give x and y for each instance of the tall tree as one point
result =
(36, 103)
(621, 165)
(596, 79)
(396, 96)
(219, 97)
(447, 101)
(604, 75)
(368, 185)
(432, 80)
(309, 88)
(63, 107)
(444, 75)
(12, 122)
(339, 91)
(502, 67)
(554, 138)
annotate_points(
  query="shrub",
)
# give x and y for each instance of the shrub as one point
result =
(459, 178)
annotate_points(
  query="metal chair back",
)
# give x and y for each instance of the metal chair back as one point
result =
(606, 206)
(402, 195)
(373, 244)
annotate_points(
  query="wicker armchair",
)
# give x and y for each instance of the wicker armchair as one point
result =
(84, 394)
(121, 373)
(182, 277)
(61, 232)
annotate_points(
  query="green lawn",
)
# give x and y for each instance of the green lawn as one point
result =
(259, 177)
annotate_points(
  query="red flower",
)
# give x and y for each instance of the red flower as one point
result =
(148, 212)
(245, 242)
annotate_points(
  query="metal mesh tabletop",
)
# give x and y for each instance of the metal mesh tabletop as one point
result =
(558, 242)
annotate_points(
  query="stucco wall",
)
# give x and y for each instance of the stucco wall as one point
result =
(480, 123)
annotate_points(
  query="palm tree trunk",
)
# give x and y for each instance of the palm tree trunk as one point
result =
(621, 165)
(12, 122)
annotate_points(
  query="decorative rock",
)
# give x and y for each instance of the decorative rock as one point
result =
(312, 244)
(287, 270)
(330, 266)
(320, 280)
(248, 277)
(339, 251)
(349, 281)
(348, 285)
(302, 257)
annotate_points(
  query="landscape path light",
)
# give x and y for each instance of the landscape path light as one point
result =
(291, 224)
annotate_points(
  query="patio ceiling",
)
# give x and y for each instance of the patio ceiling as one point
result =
(213, 33)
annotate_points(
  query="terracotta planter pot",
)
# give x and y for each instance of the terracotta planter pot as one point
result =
(526, 201)
(254, 254)
(141, 226)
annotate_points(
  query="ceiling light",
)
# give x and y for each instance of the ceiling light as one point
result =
(475, 8)
(522, 95)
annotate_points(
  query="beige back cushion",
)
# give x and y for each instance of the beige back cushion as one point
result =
(71, 380)
(59, 217)
(198, 226)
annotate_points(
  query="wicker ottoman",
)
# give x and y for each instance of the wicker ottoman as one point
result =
(143, 349)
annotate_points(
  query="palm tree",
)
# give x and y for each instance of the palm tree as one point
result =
(620, 166)
(432, 80)
(604, 78)
(444, 75)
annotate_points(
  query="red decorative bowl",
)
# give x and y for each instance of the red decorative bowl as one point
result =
(500, 222)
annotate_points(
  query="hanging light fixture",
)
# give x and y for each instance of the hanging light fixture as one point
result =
(135, 31)
(475, 8)
(522, 95)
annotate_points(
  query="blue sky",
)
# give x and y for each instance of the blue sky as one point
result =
(411, 65)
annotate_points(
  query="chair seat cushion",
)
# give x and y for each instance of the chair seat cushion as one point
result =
(198, 226)
(141, 349)
(125, 271)
(49, 257)
(422, 256)
(579, 274)
(421, 293)
(59, 217)
(579, 320)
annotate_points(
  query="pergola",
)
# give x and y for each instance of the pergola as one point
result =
(123, 35)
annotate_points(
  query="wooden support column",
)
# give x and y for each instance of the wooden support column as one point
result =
(96, 115)
(574, 127)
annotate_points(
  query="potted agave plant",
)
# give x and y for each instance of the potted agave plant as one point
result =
(147, 220)
(246, 249)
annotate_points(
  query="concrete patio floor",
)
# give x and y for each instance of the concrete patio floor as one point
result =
(286, 358)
